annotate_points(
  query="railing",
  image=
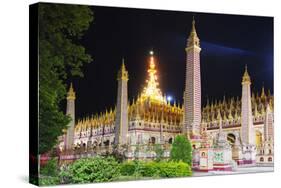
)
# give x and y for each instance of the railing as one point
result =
(129, 151)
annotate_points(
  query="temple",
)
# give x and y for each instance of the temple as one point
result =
(224, 134)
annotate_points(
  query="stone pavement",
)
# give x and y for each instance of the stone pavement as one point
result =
(240, 170)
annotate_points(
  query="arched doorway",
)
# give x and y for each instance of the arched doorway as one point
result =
(270, 159)
(152, 140)
(170, 140)
(106, 143)
(258, 138)
(231, 138)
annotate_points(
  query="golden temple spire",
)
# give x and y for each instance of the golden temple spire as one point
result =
(262, 92)
(193, 29)
(224, 100)
(246, 77)
(230, 114)
(71, 93)
(151, 90)
(256, 113)
(268, 93)
(236, 114)
(123, 73)
(219, 115)
(193, 39)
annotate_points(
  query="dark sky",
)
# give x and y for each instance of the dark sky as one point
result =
(228, 42)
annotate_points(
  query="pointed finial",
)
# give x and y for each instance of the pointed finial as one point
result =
(193, 30)
(219, 115)
(193, 21)
(123, 67)
(246, 77)
(268, 93)
(71, 93)
(262, 91)
(193, 40)
(123, 73)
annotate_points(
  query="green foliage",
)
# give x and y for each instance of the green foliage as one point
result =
(60, 56)
(98, 169)
(45, 180)
(51, 168)
(149, 169)
(49, 173)
(174, 169)
(181, 150)
(155, 169)
(159, 152)
(128, 168)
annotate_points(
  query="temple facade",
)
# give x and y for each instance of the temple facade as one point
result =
(236, 130)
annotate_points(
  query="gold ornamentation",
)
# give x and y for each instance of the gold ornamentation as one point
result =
(71, 93)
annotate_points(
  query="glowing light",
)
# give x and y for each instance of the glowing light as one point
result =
(151, 52)
(151, 90)
(169, 98)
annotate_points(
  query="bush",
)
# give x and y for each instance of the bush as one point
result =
(97, 169)
(128, 168)
(174, 169)
(45, 180)
(181, 150)
(149, 169)
(155, 169)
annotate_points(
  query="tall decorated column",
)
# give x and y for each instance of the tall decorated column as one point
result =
(247, 131)
(247, 127)
(70, 110)
(192, 93)
(121, 124)
(268, 124)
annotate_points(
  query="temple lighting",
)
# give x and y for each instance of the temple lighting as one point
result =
(151, 90)
(169, 98)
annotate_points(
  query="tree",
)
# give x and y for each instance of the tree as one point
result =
(181, 150)
(60, 56)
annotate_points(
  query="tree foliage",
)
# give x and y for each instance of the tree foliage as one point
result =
(51, 168)
(97, 169)
(181, 150)
(49, 173)
(60, 56)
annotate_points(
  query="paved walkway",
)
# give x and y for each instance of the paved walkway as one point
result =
(240, 170)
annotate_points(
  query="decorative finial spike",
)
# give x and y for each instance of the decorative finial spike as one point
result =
(71, 93)
(193, 25)
(123, 73)
(123, 64)
(246, 76)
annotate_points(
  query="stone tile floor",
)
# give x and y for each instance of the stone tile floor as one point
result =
(240, 170)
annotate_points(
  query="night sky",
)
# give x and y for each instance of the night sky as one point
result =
(228, 43)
